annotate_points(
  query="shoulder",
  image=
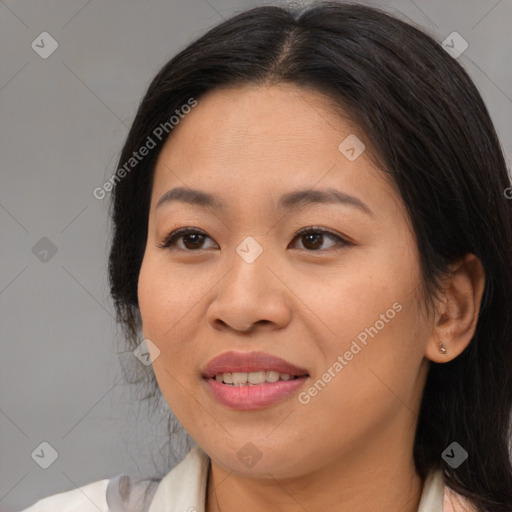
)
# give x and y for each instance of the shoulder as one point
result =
(121, 493)
(129, 494)
(87, 498)
(184, 485)
(454, 502)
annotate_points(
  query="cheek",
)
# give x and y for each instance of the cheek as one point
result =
(349, 301)
(378, 378)
(149, 292)
(162, 300)
(161, 308)
(168, 314)
(373, 323)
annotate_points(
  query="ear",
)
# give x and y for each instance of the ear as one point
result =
(457, 316)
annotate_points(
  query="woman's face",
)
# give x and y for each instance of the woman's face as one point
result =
(345, 311)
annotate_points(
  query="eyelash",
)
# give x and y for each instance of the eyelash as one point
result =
(170, 240)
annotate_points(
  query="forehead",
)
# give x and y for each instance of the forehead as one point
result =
(249, 141)
(239, 122)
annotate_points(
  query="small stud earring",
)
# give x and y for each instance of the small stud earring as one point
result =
(442, 348)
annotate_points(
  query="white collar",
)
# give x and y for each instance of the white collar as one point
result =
(183, 489)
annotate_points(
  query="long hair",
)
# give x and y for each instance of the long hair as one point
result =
(430, 131)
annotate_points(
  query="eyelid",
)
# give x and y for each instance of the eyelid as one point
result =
(342, 240)
(173, 235)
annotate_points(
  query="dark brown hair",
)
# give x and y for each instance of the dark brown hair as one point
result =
(432, 135)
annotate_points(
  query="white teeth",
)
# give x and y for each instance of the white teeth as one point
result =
(252, 378)
(271, 376)
(226, 377)
(256, 377)
(239, 378)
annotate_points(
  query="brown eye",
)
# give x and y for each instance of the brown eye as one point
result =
(313, 238)
(192, 239)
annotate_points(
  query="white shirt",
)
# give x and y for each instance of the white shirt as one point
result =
(183, 489)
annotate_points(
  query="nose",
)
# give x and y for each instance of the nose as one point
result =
(251, 295)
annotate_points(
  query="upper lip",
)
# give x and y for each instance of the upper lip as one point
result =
(250, 362)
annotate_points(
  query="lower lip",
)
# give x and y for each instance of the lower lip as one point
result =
(253, 397)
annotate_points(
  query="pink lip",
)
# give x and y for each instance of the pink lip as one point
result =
(250, 362)
(253, 397)
(249, 397)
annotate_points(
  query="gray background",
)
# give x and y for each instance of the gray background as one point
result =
(63, 120)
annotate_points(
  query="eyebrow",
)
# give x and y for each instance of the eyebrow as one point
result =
(288, 201)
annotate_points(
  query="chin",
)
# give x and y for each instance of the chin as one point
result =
(259, 458)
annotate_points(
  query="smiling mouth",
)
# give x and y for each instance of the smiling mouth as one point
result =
(254, 378)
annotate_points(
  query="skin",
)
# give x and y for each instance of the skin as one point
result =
(350, 447)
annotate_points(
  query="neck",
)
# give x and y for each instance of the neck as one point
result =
(385, 480)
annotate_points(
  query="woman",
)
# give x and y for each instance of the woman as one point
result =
(372, 373)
